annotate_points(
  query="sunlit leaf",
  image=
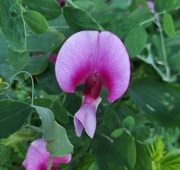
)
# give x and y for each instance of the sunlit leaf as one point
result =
(12, 25)
(168, 25)
(35, 21)
(171, 160)
(54, 134)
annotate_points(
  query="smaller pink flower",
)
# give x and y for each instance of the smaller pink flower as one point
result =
(61, 3)
(151, 6)
(37, 157)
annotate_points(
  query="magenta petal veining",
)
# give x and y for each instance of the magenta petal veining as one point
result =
(95, 59)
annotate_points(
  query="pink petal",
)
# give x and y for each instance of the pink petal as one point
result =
(37, 157)
(151, 6)
(88, 52)
(63, 159)
(52, 58)
(85, 118)
(114, 65)
(76, 59)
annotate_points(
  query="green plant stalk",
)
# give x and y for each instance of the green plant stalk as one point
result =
(32, 82)
(164, 51)
(50, 163)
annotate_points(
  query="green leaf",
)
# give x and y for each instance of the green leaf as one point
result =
(6, 71)
(45, 42)
(122, 26)
(136, 40)
(114, 153)
(85, 161)
(171, 161)
(141, 15)
(12, 25)
(43, 102)
(36, 65)
(107, 155)
(3, 48)
(159, 104)
(47, 80)
(131, 153)
(141, 133)
(59, 111)
(74, 101)
(156, 149)
(35, 21)
(12, 117)
(117, 133)
(168, 25)
(54, 134)
(124, 4)
(18, 59)
(4, 154)
(48, 8)
(174, 62)
(79, 19)
(166, 4)
(143, 160)
(128, 123)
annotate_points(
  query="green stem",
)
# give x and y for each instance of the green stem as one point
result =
(34, 128)
(157, 14)
(153, 65)
(32, 82)
(50, 163)
(163, 51)
(72, 3)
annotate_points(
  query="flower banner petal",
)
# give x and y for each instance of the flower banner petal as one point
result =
(76, 59)
(113, 65)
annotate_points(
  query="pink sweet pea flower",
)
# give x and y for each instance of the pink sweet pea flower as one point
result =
(151, 6)
(96, 59)
(37, 157)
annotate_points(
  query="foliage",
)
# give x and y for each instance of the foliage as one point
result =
(140, 131)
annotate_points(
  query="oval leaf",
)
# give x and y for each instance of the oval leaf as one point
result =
(128, 123)
(35, 21)
(136, 40)
(18, 59)
(48, 8)
(79, 20)
(51, 39)
(131, 153)
(12, 25)
(54, 134)
(12, 117)
(116, 133)
(168, 25)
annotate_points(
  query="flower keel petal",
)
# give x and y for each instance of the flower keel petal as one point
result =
(86, 117)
